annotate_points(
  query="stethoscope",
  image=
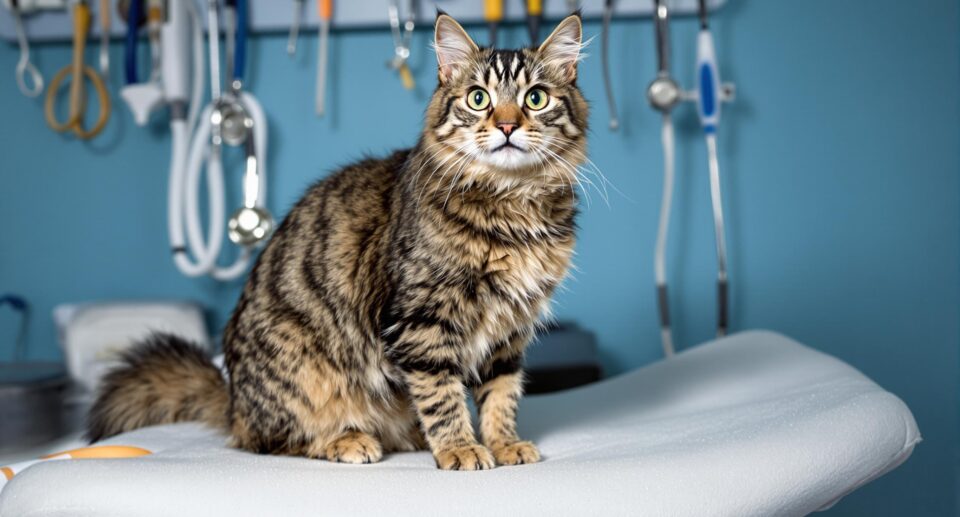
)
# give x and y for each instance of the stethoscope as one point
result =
(664, 94)
(233, 117)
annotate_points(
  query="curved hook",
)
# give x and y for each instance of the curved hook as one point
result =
(33, 86)
(25, 69)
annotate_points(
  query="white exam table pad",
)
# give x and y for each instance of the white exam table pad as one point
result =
(752, 424)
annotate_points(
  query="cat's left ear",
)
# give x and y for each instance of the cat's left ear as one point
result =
(562, 48)
(454, 47)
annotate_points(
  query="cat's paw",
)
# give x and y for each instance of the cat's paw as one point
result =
(354, 447)
(517, 453)
(468, 457)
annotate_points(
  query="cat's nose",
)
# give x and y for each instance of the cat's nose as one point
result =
(507, 127)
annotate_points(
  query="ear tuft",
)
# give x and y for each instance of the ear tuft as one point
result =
(562, 48)
(453, 45)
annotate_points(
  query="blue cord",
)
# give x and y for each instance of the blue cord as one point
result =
(17, 302)
(20, 305)
(134, 15)
(240, 56)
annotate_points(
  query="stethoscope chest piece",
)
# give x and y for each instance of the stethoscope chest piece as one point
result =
(664, 93)
(233, 122)
(249, 226)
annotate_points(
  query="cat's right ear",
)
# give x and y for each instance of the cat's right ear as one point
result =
(453, 45)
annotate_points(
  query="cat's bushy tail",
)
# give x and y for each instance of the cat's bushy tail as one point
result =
(162, 380)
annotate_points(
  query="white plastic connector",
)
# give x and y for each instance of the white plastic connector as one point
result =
(175, 41)
(143, 99)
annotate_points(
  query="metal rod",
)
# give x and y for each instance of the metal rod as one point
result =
(605, 50)
(662, 26)
(718, 227)
(295, 27)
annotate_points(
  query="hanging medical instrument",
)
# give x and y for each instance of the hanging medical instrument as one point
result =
(664, 94)
(75, 74)
(143, 98)
(326, 13)
(493, 14)
(534, 20)
(234, 118)
(29, 79)
(605, 49)
(401, 41)
(295, 22)
(709, 95)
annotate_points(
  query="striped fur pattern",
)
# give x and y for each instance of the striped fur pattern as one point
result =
(399, 285)
(163, 380)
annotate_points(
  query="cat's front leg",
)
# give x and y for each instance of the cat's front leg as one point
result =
(435, 382)
(440, 399)
(496, 398)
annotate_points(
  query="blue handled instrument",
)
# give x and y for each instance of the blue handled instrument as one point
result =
(708, 107)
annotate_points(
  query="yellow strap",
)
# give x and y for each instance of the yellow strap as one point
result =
(534, 7)
(493, 10)
(81, 25)
(406, 77)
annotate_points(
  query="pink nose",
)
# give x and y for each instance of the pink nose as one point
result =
(507, 127)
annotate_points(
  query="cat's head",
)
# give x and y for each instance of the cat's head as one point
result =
(499, 116)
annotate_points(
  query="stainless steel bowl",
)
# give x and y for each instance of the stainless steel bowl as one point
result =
(31, 404)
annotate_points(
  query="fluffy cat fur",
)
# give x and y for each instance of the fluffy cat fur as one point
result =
(397, 284)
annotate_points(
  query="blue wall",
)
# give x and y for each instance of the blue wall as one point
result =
(841, 180)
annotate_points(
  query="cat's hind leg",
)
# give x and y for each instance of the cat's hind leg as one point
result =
(353, 447)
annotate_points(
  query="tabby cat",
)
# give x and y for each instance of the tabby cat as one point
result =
(397, 283)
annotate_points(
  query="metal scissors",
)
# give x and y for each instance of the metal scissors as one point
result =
(76, 72)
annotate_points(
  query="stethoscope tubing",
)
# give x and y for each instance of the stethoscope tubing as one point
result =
(134, 15)
(240, 50)
(194, 148)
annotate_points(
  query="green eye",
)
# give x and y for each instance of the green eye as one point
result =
(537, 99)
(478, 99)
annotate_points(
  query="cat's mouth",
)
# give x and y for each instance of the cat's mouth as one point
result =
(509, 156)
(507, 145)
